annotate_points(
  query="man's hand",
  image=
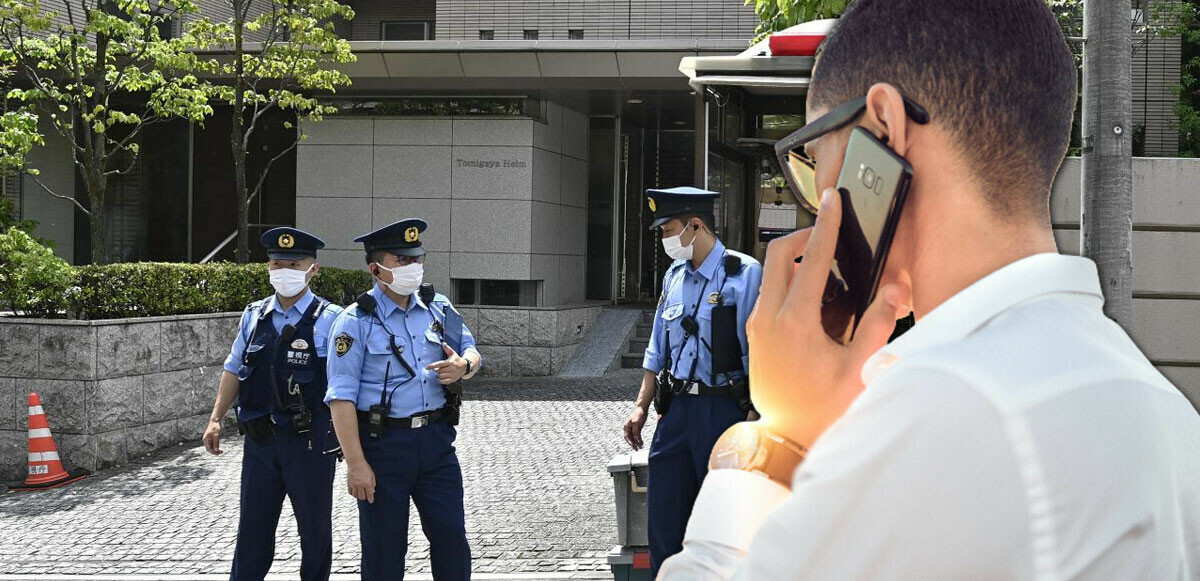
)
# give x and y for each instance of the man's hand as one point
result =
(212, 437)
(450, 369)
(360, 480)
(633, 427)
(803, 380)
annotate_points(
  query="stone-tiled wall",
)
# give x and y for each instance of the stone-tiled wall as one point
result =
(505, 198)
(527, 341)
(112, 390)
(116, 390)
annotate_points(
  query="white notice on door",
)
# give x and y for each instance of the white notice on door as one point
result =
(777, 217)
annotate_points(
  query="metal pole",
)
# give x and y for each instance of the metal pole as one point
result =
(1106, 220)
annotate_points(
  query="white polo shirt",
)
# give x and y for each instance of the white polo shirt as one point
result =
(1015, 432)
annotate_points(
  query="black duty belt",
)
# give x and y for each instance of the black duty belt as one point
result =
(258, 427)
(417, 421)
(680, 386)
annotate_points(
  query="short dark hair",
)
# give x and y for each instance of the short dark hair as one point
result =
(997, 75)
(707, 219)
(377, 256)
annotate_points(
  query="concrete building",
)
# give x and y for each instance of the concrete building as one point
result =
(524, 131)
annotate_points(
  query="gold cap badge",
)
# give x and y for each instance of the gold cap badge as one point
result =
(653, 206)
(412, 234)
(286, 241)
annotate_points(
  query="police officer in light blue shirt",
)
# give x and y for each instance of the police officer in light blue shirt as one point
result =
(276, 372)
(697, 360)
(400, 353)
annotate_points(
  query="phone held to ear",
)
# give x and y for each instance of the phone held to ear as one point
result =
(874, 186)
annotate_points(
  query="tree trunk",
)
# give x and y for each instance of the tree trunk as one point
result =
(243, 206)
(1106, 221)
(237, 136)
(96, 226)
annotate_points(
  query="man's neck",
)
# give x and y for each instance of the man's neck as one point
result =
(964, 253)
(402, 301)
(286, 303)
(704, 243)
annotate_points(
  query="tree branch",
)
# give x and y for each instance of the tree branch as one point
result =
(262, 176)
(60, 196)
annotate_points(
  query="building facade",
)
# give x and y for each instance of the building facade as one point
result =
(524, 131)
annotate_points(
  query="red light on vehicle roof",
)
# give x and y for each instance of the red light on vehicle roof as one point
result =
(784, 44)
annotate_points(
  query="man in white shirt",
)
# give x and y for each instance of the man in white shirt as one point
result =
(1015, 432)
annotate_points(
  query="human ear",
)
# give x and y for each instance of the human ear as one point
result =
(886, 118)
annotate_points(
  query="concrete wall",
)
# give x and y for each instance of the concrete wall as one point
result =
(505, 198)
(518, 341)
(116, 390)
(599, 19)
(55, 217)
(1166, 272)
(112, 390)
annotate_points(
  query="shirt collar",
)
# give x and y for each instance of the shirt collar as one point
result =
(708, 268)
(385, 305)
(979, 303)
(301, 305)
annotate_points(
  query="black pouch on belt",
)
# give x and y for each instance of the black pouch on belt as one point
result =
(454, 393)
(664, 392)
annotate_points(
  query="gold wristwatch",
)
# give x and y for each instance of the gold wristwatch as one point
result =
(750, 446)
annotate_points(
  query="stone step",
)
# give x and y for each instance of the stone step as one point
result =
(631, 361)
(638, 346)
(647, 317)
(643, 331)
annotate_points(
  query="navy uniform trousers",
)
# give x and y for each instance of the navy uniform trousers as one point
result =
(274, 466)
(683, 441)
(417, 463)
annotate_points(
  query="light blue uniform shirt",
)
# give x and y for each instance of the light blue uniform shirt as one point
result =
(357, 373)
(683, 287)
(280, 318)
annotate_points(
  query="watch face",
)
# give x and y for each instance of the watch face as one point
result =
(737, 447)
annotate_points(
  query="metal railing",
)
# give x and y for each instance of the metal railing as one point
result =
(233, 236)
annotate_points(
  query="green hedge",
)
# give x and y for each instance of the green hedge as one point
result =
(33, 281)
(147, 289)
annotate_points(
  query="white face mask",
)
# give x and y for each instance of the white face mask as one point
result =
(289, 282)
(674, 245)
(405, 279)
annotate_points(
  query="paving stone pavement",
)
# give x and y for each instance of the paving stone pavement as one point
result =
(538, 497)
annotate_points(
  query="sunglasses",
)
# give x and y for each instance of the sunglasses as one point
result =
(800, 171)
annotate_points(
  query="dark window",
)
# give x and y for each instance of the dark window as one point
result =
(531, 35)
(575, 34)
(10, 190)
(505, 293)
(167, 28)
(487, 35)
(419, 30)
(515, 106)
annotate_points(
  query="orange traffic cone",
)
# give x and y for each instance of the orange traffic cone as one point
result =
(45, 467)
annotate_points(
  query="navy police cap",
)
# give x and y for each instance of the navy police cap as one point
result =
(401, 238)
(290, 244)
(671, 202)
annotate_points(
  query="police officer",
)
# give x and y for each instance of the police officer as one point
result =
(276, 372)
(399, 353)
(696, 363)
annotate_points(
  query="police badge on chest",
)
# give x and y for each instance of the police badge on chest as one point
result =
(299, 354)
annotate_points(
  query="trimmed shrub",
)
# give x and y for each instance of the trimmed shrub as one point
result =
(33, 281)
(148, 289)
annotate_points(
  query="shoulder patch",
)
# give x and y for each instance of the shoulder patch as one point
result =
(342, 343)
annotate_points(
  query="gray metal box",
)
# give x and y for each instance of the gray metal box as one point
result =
(630, 474)
(629, 564)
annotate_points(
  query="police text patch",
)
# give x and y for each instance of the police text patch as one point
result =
(342, 343)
